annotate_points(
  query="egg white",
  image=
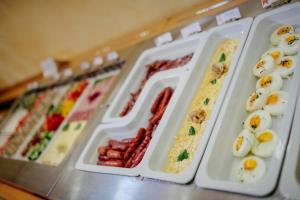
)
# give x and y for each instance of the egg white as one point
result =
(284, 69)
(276, 53)
(248, 141)
(265, 148)
(264, 66)
(277, 107)
(257, 99)
(280, 32)
(290, 49)
(270, 82)
(265, 121)
(250, 176)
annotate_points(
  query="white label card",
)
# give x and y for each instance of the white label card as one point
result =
(49, 67)
(98, 60)
(68, 72)
(112, 56)
(85, 65)
(190, 29)
(228, 16)
(32, 85)
(163, 39)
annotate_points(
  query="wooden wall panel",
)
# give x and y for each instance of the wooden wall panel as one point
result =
(32, 30)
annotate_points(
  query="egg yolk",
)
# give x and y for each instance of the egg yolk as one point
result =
(260, 64)
(286, 63)
(239, 142)
(255, 121)
(250, 164)
(272, 99)
(283, 30)
(265, 81)
(291, 39)
(265, 137)
(253, 97)
(275, 54)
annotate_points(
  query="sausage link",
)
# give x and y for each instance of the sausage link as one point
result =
(138, 158)
(157, 102)
(114, 154)
(112, 163)
(157, 116)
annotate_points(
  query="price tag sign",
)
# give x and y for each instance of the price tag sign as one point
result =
(190, 29)
(32, 85)
(230, 15)
(112, 56)
(49, 67)
(163, 39)
(84, 65)
(68, 72)
(98, 60)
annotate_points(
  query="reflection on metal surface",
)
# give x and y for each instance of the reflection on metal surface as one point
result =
(211, 7)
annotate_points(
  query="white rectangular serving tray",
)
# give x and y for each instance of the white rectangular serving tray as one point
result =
(169, 51)
(65, 121)
(75, 108)
(56, 100)
(125, 129)
(216, 170)
(19, 156)
(290, 178)
(156, 157)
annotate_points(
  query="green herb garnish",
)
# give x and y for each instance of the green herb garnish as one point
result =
(214, 81)
(222, 58)
(66, 127)
(78, 126)
(206, 101)
(50, 109)
(192, 131)
(183, 155)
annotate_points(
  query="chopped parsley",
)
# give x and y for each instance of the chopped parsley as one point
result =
(78, 126)
(192, 131)
(214, 81)
(66, 127)
(206, 101)
(222, 58)
(183, 155)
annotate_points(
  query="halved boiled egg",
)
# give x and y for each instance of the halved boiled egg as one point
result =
(258, 121)
(243, 143)
(266, 142)
(270, 82)
(290, 44)
(286, 66)
(276, 102)
(264, 66)
(276, 53)
(280, 32)
(257, 99)
(250, 169)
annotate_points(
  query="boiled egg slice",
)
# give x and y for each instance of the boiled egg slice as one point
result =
(290, 44)
(270, 82)
(276, 53)
(266, 142)
(243, 143)
(258, 121)
(250, 169)
(264, 66)
(280, 32)
(276, 102)
(257, 99)
(286, 66)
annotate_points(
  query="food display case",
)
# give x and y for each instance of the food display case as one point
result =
(210, 116)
